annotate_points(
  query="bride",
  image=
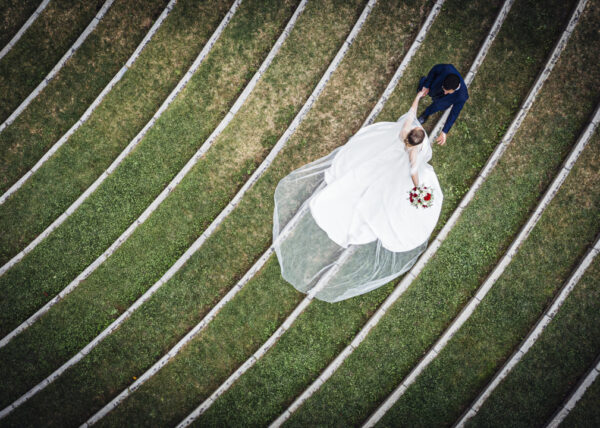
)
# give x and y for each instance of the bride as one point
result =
(357, 198)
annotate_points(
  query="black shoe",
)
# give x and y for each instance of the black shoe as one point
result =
(422, 119)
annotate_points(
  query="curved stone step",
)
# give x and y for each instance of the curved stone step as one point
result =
(575, 396)
(24, 28)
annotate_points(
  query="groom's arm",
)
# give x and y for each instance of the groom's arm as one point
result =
(456, 108)
(433, 73)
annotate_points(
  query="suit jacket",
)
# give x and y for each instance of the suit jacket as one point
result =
(457, 100)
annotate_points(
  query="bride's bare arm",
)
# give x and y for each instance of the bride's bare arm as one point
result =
(415, 179)
(415, 104)
(413, 108)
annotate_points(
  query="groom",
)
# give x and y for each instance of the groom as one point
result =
(446, 87)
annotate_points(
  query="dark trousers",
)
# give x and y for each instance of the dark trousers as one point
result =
(432, 108)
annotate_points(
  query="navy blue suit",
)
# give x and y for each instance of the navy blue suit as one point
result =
(457, 100)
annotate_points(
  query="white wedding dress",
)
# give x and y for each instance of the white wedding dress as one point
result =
(357, 196)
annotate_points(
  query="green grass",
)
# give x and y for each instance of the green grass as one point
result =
(13, 14)
(40, 48)
(453, 380)
(284, 89)
(75, 87)
(545, 260)
(586, 412)
(410, 327)
(564, 353)
(122, 114)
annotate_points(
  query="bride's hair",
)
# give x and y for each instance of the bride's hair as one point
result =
(415, 136)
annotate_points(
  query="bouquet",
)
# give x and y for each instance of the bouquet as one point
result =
(421, 196)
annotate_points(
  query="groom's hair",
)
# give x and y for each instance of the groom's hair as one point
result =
(415, 136)
(451, 82)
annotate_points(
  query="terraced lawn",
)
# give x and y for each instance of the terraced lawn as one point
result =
(75, 87)
(245, 328)
(117, 120)
(40, 48)
(153, 162)
(507, 314)
(530, 394)
(162, 341)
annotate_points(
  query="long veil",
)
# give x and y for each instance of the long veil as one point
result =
(306, 253)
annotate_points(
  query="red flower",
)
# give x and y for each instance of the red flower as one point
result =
(428, 197)
(414, 188)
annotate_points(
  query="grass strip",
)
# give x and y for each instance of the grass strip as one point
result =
(96, 144)
(206, 368)
(60, 264)
(566, 350)
(40, 48)
(385, 355)
(13, 15)
(586, 412)
(320, 26)
(75, 87)
(515, 302)
(289, 80)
